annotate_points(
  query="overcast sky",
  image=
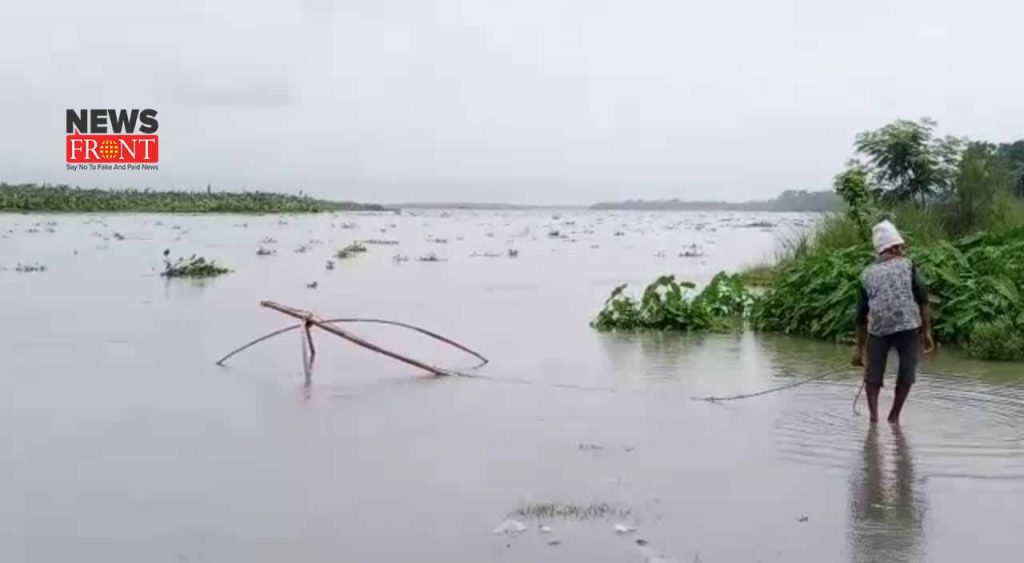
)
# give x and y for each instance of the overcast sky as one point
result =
(523, 101)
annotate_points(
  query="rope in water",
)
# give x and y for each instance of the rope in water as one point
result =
(309, 351)
(856, 397)
(520, 381)
(806, 380)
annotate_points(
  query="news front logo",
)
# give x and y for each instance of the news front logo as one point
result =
(109, 139)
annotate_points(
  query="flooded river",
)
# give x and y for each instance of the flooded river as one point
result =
(123, 442)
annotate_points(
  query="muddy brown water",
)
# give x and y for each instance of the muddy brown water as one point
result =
(123, 442)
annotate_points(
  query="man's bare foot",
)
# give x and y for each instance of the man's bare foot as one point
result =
(893, 419)
(874, 420)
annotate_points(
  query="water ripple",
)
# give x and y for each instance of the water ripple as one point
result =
(956, 427)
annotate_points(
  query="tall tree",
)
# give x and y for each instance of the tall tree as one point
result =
(854, 186)
(981, 176)
(908, 160)
(1013, 155)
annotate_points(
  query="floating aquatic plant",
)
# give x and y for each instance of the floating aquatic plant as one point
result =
(28, 268)
(191, 267)
(571, 511)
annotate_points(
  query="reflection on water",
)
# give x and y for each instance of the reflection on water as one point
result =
(886, 505)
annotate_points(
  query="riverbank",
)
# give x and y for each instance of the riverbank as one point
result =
(34, 198)
(964, 229)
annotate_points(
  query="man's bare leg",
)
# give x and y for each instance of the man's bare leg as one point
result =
(908, 345)
(902, 391)
(871, 392)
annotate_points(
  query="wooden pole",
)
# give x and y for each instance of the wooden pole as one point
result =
(310, 319)
(421, 330)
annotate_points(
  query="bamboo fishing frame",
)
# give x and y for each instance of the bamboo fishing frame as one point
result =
(310, 320)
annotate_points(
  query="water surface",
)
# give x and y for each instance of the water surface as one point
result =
(124, 442)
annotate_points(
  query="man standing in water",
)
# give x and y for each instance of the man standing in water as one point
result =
(892, 313)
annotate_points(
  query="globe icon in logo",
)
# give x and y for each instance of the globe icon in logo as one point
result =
(108, 149)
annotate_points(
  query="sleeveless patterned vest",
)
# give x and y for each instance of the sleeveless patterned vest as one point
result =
(891, 304)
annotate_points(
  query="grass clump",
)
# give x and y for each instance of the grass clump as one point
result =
(998, 340)
(759, 275)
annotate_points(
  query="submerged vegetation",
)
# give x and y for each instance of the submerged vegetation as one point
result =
(571, 511)
(65, 199)
(191, 267)
(29, 268)
(960, 206)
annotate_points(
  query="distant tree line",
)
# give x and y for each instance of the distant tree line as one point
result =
(789, 200)
(66, 199)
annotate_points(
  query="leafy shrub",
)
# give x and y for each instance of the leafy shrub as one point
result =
(976, 280)
(620, 312)
(726, 296)
(670, 305)
(815, 295)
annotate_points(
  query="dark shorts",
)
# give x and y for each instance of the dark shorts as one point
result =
(907, 345)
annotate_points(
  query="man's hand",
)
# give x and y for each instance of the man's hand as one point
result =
(927, 343)
(857, 360)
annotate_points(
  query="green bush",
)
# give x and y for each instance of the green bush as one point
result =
(670, 305)
(815, 295)
(975, 280)
(998, 340)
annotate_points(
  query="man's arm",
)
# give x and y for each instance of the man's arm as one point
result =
(921, 296)
(927, 341)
